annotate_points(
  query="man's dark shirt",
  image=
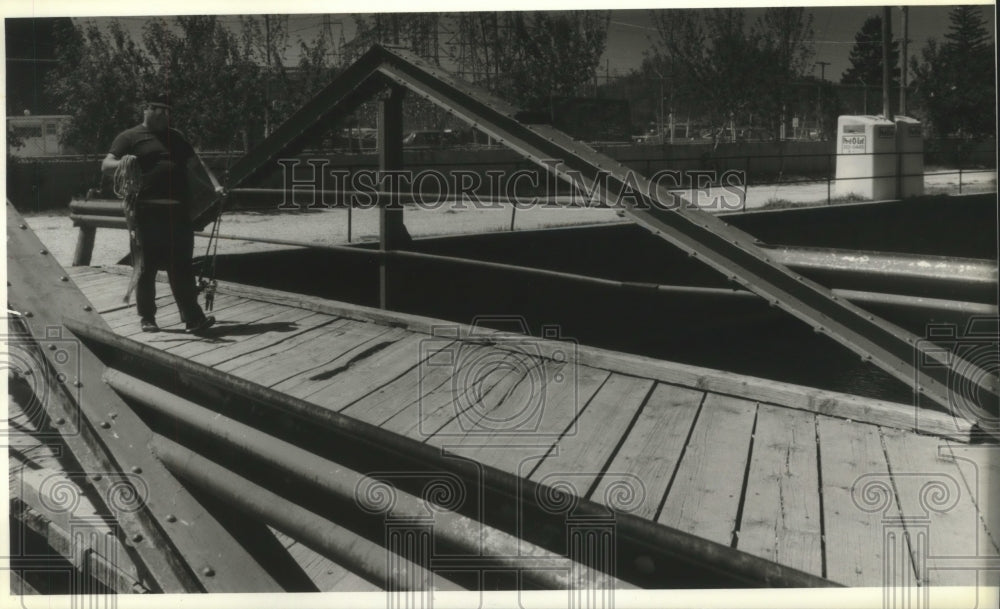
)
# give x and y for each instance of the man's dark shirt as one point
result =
(162, 157)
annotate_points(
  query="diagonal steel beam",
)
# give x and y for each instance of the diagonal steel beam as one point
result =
(356, 85)
(730, 251)
(734, 253)
(168, 534)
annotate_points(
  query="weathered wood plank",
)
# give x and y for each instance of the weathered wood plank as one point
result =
(980, 469)
(468, 384)
(84, 272)
(705, 496)
(810, 399)
(238, 341)
(654, 445)
(851, 455)
(248, 364)
(168, 317)
(120, 317)
(934, 503)
(781, 512)
(243, 315)
(590, 441)
(326, 350)
(365, 375)
(403, 393)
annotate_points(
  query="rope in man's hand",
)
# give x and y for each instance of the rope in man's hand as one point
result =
(127, 182)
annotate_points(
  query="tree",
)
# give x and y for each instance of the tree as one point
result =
(556, 55)
(866, 56)
(731, 71)
(99, 82)
(217, 84)
(955, 81)
(784, 35)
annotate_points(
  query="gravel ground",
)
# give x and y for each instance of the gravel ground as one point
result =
(330, 226)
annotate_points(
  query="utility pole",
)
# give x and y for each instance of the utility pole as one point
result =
(886, 72)
(902, 84)
(819, 95)
(267, 75)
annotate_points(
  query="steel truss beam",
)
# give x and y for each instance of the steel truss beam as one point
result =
(730, 251)
(178, 546)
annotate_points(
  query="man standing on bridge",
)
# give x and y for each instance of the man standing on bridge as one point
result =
(150, 165)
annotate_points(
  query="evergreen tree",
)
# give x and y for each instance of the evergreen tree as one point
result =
(866, 56)
(955, 82)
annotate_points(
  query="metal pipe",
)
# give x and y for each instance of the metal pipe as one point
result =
(98, 221)
(467, 536)
(98, 207)
(362, 556)
(970, 273)
(661, 543)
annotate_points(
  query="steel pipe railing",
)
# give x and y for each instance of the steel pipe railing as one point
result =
(364, 557)
(465, 535)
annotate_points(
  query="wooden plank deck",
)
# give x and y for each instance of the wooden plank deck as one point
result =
(773, 469)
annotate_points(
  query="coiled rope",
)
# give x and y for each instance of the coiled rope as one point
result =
(127, 182)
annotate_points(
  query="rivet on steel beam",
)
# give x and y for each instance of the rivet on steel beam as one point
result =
(136, 469)
(105, 425)
(88, 308)
(59, 421)
(29, 314)
(819, 329)
(23, 226)
(208, 571)
(137, 537)
(171, 518)
(77, 383)
(52, 347)
(43, 252)
(64, 278)
(96, 477)
(113, 415)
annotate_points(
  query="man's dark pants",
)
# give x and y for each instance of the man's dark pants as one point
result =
(167, 244)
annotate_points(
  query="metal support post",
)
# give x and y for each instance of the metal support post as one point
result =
(390, 158)
(84, 245)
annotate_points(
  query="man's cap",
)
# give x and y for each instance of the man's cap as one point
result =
(160, 100)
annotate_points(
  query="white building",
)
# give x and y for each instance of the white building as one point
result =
(38, 135)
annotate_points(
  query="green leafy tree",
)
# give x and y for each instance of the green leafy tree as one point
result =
(866, 56)
(955, 81)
